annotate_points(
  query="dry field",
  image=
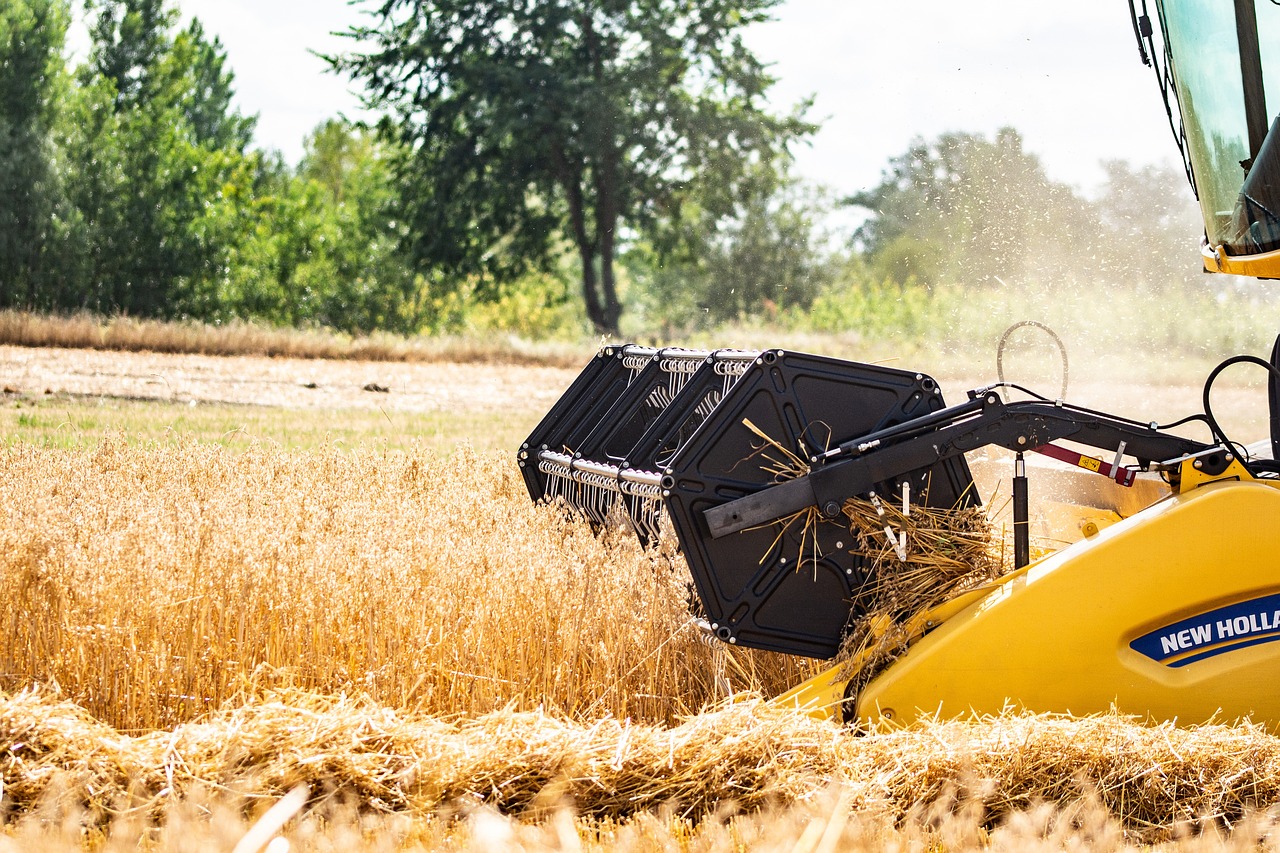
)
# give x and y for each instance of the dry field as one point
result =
(400, 651)
(75, 396)
(288, 383)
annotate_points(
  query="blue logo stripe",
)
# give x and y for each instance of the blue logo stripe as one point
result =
(1214, 632)
(1214, 652)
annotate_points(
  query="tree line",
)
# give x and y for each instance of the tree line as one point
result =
(559, 161)
(128, 184)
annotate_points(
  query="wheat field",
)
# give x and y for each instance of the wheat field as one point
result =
(154, 584)
(402, 652)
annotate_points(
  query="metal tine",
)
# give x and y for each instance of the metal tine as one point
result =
(656, 377)
(650, 394)
(596, 478)
(701, 392)
(579, 410)
(645, 516)
(644, 503)
(701, 387)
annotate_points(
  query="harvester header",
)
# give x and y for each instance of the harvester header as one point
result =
(827, 508)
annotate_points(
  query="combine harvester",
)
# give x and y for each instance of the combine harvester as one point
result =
(765, 464)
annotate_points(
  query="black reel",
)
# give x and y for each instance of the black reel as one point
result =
(796, 589)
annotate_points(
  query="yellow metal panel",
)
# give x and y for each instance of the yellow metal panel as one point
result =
(1192, 477)
(1058, 638)
(818, 697)
(822, 695)
(1265, 265)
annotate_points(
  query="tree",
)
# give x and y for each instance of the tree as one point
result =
(321, 247)
(770, 256)
(1150, 223)
(969, 209)
(157, 177)
(525, 124)
(373, 286)
(130, 37)
(972, 209)
(31, 77)
(205, 93)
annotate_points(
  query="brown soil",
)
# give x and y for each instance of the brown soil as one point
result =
(284, 382)
(296, 383)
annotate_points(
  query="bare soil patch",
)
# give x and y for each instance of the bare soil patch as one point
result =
(293, 383)
(522, 391)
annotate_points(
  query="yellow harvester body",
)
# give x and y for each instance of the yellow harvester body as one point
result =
(1170, 609)
(1172, 613)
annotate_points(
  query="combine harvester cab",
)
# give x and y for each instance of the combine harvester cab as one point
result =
(1165, 605)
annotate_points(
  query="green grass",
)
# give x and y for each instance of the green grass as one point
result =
(78, 422)
(1119, 334)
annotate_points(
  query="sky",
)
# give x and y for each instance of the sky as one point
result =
(881, 72)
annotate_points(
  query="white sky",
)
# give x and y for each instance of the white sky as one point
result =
(1067, 75)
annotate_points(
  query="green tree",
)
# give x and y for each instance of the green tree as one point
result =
(771, 256)
(130, 38)
(95, 180)
(323, 245)
(971, 209)
(31, 82)
(1150, 223)
(376, 287)
(525, 124)
(205, 92)
(157, 181)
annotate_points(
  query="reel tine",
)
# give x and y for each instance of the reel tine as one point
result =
(631, 408)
